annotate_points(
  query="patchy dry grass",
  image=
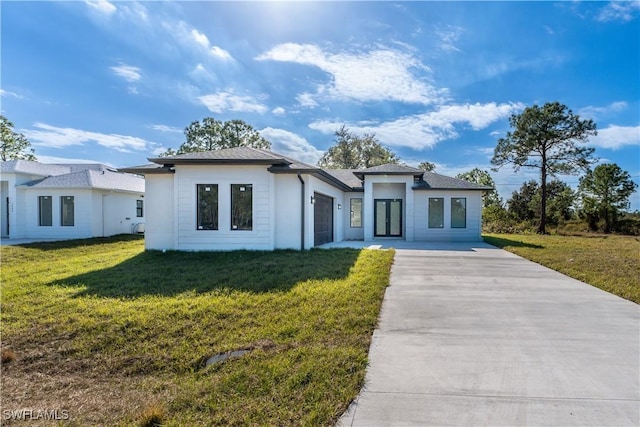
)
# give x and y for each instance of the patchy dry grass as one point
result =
(119, 336)
(611, 263)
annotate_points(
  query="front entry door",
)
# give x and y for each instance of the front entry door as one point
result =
(388, 214)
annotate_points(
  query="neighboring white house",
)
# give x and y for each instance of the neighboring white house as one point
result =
(47, 201)
(247, 198)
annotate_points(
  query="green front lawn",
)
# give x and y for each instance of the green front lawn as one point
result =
(116, 335)
(609, 262)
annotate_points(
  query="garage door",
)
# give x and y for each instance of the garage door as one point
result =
(323, 219)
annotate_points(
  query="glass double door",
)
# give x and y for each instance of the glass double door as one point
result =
(388, 214)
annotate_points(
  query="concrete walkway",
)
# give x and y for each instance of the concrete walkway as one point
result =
(474, 335)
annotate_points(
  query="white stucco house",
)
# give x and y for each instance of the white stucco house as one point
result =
(247, 198)
(65, 201)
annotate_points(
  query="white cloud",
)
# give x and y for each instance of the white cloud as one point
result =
(220, 53)
(383, 74)
(619, 11)
(56, 137)
(278, 111)
(228, 101)
(306, 100)
(200, 38)
(614, 137)
(101, 6)
(127, 72)
(426, 130)
(165, 128)
(66, 160)
(9, 93)
(593, 112)
(292, 145)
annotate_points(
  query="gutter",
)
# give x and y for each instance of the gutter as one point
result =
(301, 212)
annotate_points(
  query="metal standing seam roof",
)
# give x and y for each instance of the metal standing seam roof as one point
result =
(236, 155)
(91, 179)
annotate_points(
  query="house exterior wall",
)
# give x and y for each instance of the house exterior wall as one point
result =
(119, 213)
(473, 229)
(351, 233)
(389, 187)
(188, 237)
(159, 208)
(83, 212)
(287, 210)
(4, 194)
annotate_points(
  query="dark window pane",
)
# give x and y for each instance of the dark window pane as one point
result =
(436, 213)
(207, 206)
(139, 208)
(67, 211)
(45, 211)
(458, 212)
(241, 206)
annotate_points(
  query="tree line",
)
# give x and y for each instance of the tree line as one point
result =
(548, 138)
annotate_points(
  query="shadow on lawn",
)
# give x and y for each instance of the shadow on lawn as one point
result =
(501, 242)
(174, 272)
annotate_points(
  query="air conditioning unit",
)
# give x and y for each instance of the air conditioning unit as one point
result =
(140, 228)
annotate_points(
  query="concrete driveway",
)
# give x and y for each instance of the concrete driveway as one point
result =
(474, 335)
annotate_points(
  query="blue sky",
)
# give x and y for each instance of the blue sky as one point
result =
(117, 82)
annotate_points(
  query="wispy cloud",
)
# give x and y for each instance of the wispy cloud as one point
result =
(381, 74)
(165, 128)
(593, 112)
(426, 130)
(127, 72)
(448, 36)
(101, 6)
(290, 144)
(57, 137)
(615, 137)
(278, 111)
(619, 11)
(11, 94)
(215, 51)
(228, 101)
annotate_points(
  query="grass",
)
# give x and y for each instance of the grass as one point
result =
(119, 336)
(609, 262)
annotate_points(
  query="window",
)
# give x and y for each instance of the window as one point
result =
(458, 212)
(356, 213)
(436, 212)
(45, 211)
(241, 207)
(66, 211)
(139, 208)
(207, 206)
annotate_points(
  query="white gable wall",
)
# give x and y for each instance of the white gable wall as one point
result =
(472, 232)
(189, 238)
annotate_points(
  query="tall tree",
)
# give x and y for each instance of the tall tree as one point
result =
(546, 138)
(351, 151)
(520, 204)
(212, 134)
(605, 192)
(427, 166)
(15, 146)
(483, 177)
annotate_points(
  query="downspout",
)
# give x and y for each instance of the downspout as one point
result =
(301, 212)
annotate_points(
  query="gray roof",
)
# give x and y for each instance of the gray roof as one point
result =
(237, 155)
(434, 181)
(345, 179)
(391, 169)
(347, 176)
(33, 168)
(92, 179)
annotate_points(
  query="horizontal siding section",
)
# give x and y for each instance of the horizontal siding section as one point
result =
(189, 238)
(421, 216)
